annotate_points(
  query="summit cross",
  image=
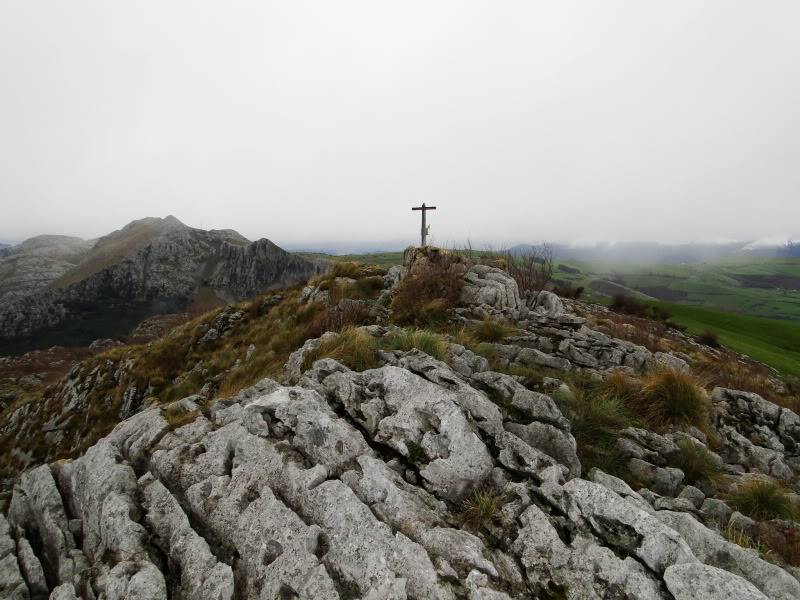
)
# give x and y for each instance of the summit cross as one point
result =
(425, 227)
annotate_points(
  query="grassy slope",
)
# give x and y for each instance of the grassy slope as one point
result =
(386, 259)
(776, 343)
(110, 250)
(706, 284)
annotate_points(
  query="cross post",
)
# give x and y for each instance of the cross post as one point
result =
(425, 227)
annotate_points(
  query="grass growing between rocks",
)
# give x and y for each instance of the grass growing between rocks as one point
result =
(427, 293)
(426, 341)
(360, 351)
(599, 410)
(741, 538)
(597, 415)
(178, 364)
(670, 397)
(353, 347)
(482, 507)
(491, 331)
(698, 464)
(178, 416)
(762, 499)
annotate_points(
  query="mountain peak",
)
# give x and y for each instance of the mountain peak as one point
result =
(152, 224)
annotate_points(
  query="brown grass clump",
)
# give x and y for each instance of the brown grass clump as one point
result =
(671, 397)
(709, 338)
(741, 538)
(783, 539)
(732, 372)
(491, 331)
(729, 371)
(620, 385)
(482, 507)
(567, 290)
(178, 416)
(428, 292)
(642, 332)
(345, 314)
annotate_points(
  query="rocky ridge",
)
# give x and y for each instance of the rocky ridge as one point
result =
(165, 269)
(37, 262)
(335, 483)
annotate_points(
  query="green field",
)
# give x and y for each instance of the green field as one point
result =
(760, 287)
(775, 343)
(388, 259)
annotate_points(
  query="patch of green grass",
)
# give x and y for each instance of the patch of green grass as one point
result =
(385, 259)
(359, 350)
(491, 330)
(697, 463)
(353, 347)
(597, 417)
(721, 284)
(367, 288)
(762, 499)
(426, 341)
(775, 343)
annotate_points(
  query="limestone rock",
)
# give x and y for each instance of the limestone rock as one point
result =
(490, 286)
(690, 581)
(714, 550)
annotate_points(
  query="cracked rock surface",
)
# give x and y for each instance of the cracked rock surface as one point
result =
(353, 485)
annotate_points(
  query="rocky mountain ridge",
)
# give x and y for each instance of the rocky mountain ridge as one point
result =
(151, 266)
(415, 477)
(35, 263)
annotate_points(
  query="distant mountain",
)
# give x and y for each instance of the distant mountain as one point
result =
(36, 263)
(643, 252)
(148, 267)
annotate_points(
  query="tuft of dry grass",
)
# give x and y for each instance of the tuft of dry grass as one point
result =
(731, 372)
(428, 292)
(709, 338)
(762, 499)
(783, 539)
(353, 347)
(620, 385)
(177, 416)
(671, 397)
(491, 331)
(743, 539)
(426, 341)
(482, 507)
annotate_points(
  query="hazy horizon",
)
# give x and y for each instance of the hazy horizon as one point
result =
(318, 123)
(360, 246)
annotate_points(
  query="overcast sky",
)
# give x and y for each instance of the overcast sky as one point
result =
(312, 122)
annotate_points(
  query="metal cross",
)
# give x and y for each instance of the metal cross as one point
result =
(425, 227)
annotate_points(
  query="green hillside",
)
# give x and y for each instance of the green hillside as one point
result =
(762, 287)
(775, 343)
